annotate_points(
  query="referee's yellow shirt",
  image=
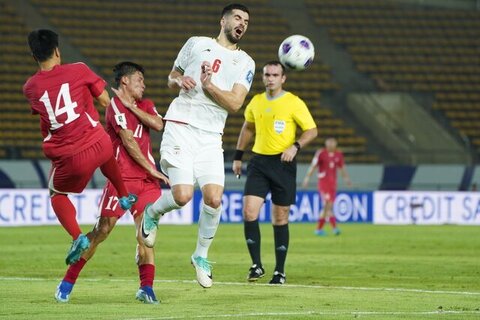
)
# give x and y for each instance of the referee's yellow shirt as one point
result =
(276, 121)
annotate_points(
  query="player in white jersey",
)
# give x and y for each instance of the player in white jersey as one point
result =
(214, 77)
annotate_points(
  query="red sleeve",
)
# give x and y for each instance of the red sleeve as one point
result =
(149, 107)
(116, 115)
(95, 84)
(27, 93)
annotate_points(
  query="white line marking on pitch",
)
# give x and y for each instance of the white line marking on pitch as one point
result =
(306, 286)
(314, 313)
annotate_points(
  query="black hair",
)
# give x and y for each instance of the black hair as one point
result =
(228, 9)
(42, 43)
(275, 63)
(126, 68)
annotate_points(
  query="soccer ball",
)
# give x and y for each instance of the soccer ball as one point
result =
(296, 52)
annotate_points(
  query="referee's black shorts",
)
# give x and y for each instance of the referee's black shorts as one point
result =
(266, 173)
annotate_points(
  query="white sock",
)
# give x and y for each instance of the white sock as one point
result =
(207, 227)
(164, 204)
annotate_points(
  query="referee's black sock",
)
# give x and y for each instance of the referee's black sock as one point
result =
(281, 236)
(253, 239)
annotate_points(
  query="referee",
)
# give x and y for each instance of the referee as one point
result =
(272, 117)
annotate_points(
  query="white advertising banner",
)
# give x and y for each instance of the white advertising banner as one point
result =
(426, 207)
(27, 207)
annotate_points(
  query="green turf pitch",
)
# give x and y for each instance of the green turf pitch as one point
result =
(369, 272)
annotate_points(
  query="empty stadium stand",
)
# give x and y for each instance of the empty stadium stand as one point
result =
(413, 49)
(20, 132)
(151, 33)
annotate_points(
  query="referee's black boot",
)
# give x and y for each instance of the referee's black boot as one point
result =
(255, 273)
(278, 278)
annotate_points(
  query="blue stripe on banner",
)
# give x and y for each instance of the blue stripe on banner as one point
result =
(397, 177)
(40, 173)
(466, 178)
(348, 207)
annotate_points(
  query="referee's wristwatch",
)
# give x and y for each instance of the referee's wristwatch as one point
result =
(297, 145)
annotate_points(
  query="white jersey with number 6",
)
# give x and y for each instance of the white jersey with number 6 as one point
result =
(229, 67)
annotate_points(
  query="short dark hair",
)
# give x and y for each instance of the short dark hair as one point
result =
(126, 68)
(275, 63)
(228, 9)
(42, 43)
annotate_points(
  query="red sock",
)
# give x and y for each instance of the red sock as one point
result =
(333, 222)
(66, 214)
(147, 274)
(111, 170)
(74, 270)
(321, 223)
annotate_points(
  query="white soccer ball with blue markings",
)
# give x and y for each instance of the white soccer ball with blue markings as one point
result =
(296, 52)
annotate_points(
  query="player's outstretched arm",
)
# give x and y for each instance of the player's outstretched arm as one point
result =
(134, 151)
(103, 99)
(246, 135)
(306, 137)
(232, 100)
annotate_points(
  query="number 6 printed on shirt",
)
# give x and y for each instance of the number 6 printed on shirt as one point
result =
(67, 108)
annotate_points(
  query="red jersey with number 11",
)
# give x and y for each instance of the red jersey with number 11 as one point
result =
(119, 117)
(63, 97)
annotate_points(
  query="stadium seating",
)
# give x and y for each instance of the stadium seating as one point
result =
(151, 33)
(19, 133)
(412, 49)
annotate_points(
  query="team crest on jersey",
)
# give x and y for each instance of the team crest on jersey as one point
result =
(249, 77)
(279, 126)
(176, 150)
(121, 120)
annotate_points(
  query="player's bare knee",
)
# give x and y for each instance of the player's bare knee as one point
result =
(182, 197)
(250, 214)
(213, 202)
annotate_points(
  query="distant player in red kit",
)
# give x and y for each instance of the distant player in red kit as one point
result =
(73, 140)
(128, 120)
(327, 161)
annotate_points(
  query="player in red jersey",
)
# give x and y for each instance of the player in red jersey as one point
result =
(327, 161)
(128, 124)
(75, 143)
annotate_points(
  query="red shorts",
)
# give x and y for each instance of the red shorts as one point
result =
(147, 191)
(328, 191)
(71, 174)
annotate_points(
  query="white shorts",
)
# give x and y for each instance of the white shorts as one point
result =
(190, 155)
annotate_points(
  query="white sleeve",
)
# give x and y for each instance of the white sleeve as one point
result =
(183, 58)
(246, 75)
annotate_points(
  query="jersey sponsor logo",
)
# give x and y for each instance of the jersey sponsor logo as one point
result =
(208, 50)
(279, 126)
(249, 77)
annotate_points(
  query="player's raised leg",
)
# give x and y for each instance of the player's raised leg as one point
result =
(111, 171)
(100, 232)
(179, 195)
(251, 210)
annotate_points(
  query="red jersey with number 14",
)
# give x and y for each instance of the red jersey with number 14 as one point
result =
(63, 97)
(328, 163)
(119, 117)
